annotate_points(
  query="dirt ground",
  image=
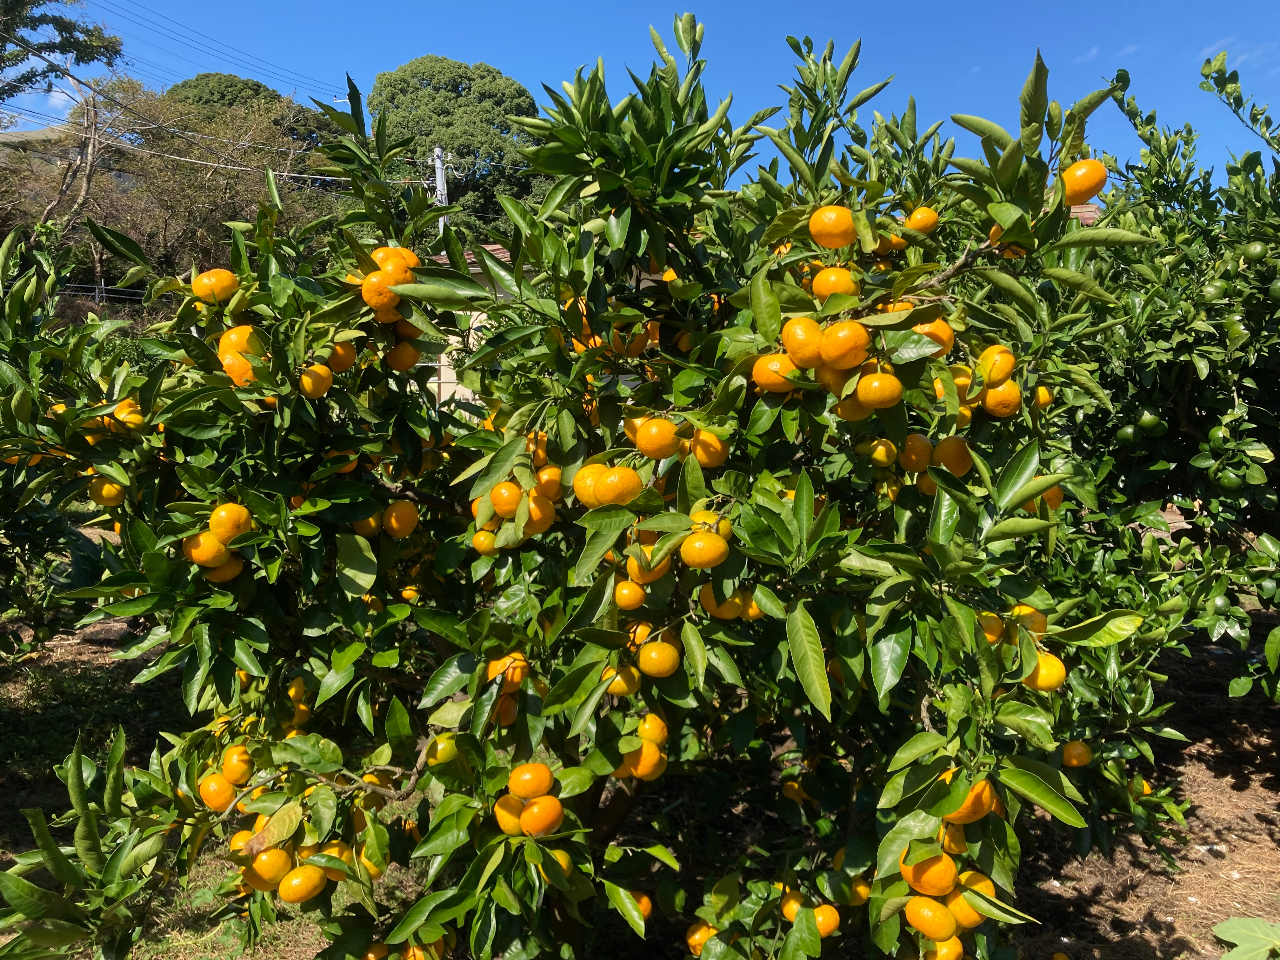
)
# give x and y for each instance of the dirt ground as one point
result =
(1128, 906)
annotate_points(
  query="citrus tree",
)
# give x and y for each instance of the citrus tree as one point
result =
(742, 601)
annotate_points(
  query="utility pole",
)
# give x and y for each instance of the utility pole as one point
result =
(442, 191)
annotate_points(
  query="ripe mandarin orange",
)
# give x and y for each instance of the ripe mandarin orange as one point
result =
(656, 439)
(940, 332)
(1076, 753)
(931, 918)
(802, 339)
(953, 454)
(879, 391)
(400, 519)
(770, 373)
(584, 482)
(215, 286)
(845, 344)
(709, 450)
(977, 804)
(530, 780)
(620, 485)
(934, 876)
(1047, 675)
(965, 916)
(1083, 181)
(834, 280)
(832, 227)
(922, 220)
(506, 811)
(541, 816)
(1004, 400)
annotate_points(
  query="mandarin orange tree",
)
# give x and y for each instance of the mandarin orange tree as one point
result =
(726, 608)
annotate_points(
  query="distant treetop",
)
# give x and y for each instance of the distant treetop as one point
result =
(223, 90)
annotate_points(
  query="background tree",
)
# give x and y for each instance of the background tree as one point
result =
(464, 108)
(25, 26)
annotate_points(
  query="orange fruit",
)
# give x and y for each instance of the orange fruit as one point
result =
(626, 680)
(1035, 622)
(1076, 753)
(951, 949)
(1044, 398)
(832, 378)
(314, 382)
(217, 792)
(834, 280)
(709, 450)
(652, 728)
(916, 453)
(934, 876)
(922, 220)
(996, 364)
(620, 485)
(485, 543)
(965, 916)
(731, 608)
(506, 497)
(926, 485)
(205, 550)
(951, 836)
(802, 339)
(382, 255)
(643, 902)
(890, 241)
(977, 804)
(882, 452)
(226, 572)
(832, 227)
(584, 482)
(629, 595)
(658, 659)
(703, 550)
(940, 332)
(238, 840)
(1052, 498)
(342, 357)
(770, 373)
(852, 409)
(548, 484)
(541, 816)
(215, 286)
(403, 356)
(369, 527)
(106, 493)
(791, 903)
(879, 391)
(1047, 675)
(228, 521)
(301, 884)
(406, 330)
(961, 376)
(1003, 401)
(953, 454)
(514, 668)
(931, 918)
(507, 811)
(235, 366)
(400, 519)
(656, 439)
(844, 345)
(538, 447)
(1083, 181)
(237, 765)
(646, 762)
(563, 859)
(375, 289)
(697, 935)
(828, 919)
(650, 575)
(387, 315)
(530, 780)
(992, 626)
(542, 514)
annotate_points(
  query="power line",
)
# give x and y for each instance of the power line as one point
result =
(236, 56)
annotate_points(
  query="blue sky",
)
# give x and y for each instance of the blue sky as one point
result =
(954, 58)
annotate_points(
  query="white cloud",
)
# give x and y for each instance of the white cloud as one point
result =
(1086, 57)
(1131, 48)
(1213, 49)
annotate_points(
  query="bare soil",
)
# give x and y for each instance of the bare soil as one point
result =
(1130, 906)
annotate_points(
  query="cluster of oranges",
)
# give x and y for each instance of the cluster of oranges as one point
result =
(209, 549)
(507, 497)
(1050, 672)
(395, 268)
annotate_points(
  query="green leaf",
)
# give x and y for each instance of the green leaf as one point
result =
(765, 308)
(33, 902)
(695, 652)
(916, 825)
(1030, 722)
(357, 567)
(55, 861)
(1015, 527)
(399, 730)
(990, 907)
(626, 905)
(1102, 631)
(915, 748)
(807, 656)
(1028, 785)
(983, 128)
(1010, 286)
(1033, 488)
(1099, 237)
(1017, 473)
(1255, 939)
(1079, 282)
(122, 246)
